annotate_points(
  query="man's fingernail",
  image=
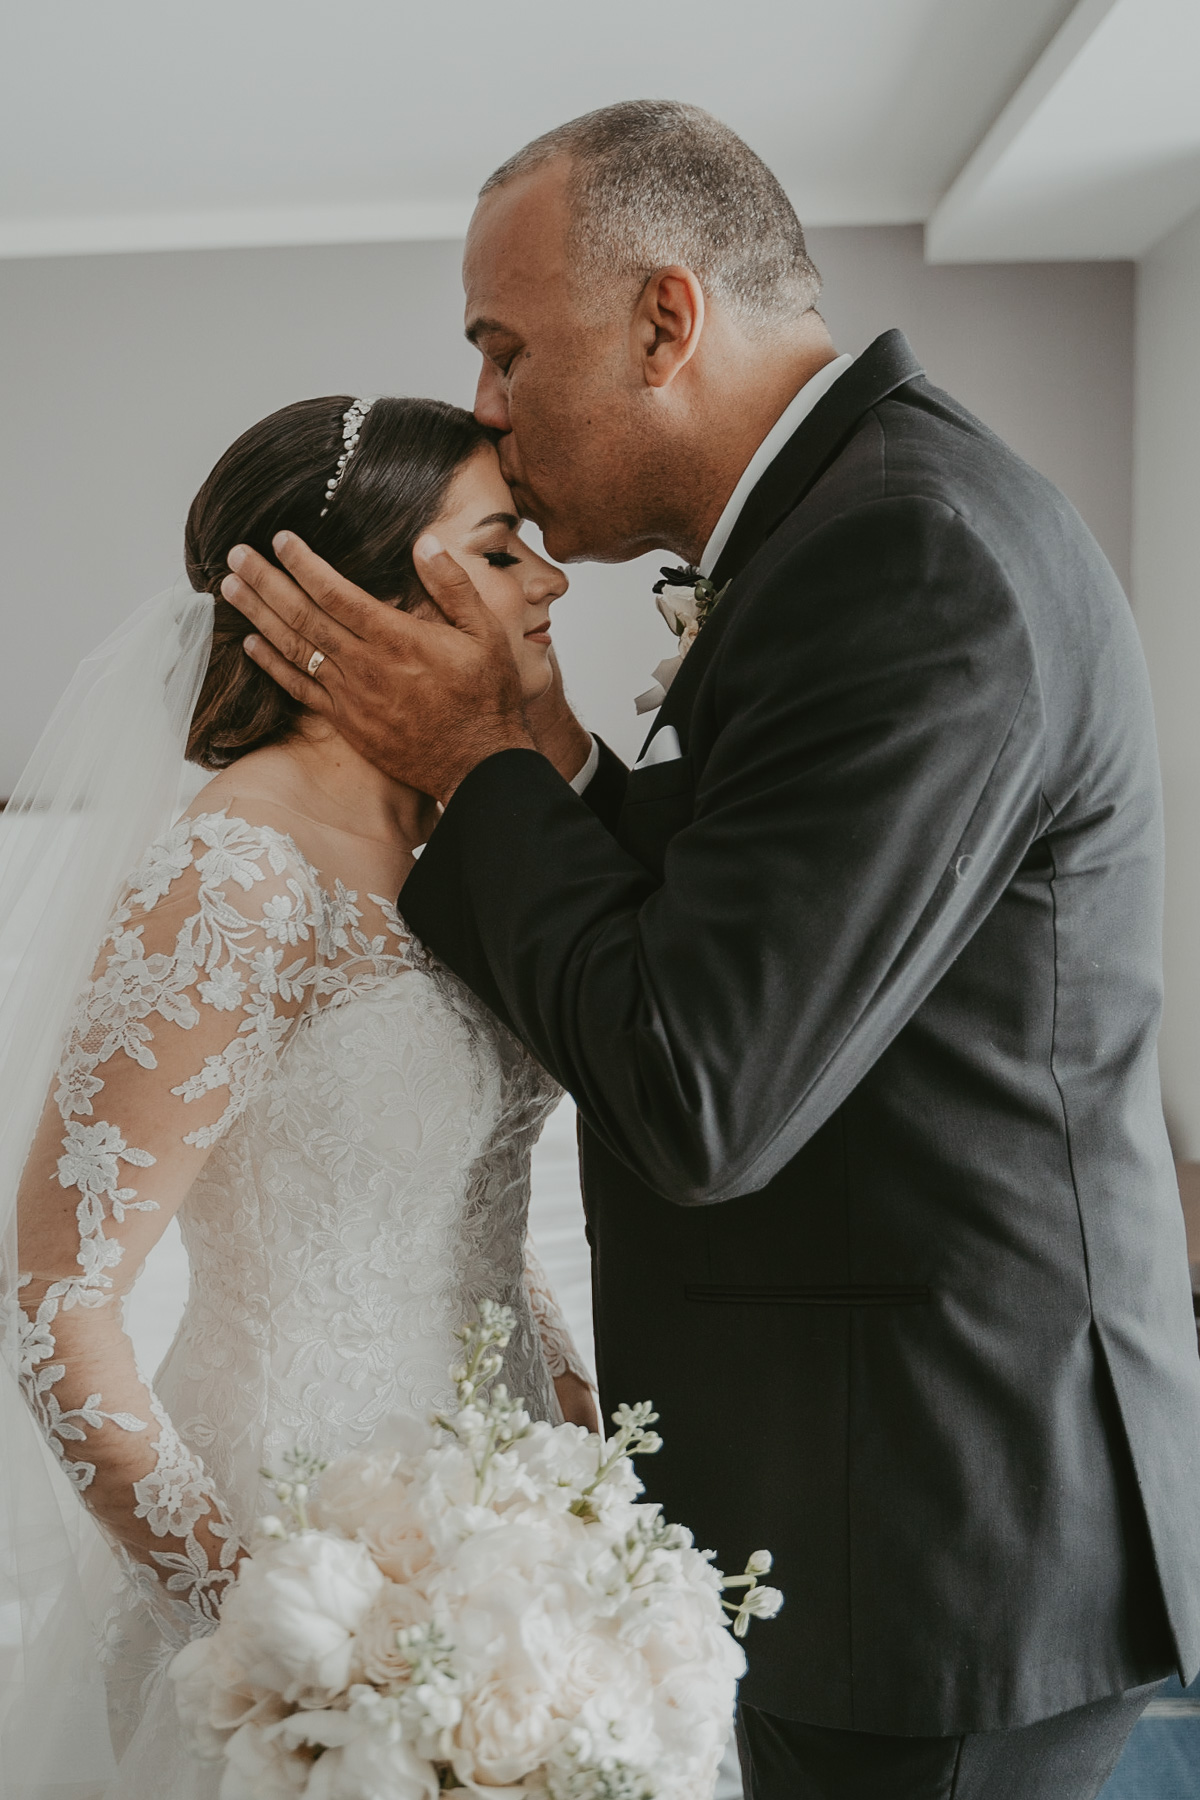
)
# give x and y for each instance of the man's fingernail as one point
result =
(250, 644)
(281, 540)
(430, 545)
(237, 556)
(231, 587)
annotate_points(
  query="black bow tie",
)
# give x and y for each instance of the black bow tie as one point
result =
(685, 576)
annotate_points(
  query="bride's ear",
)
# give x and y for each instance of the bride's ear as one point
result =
(667, 323)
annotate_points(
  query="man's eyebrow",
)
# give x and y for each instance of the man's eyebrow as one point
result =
(478, 327)
(509, 520)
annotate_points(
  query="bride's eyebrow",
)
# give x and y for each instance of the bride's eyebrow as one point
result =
(510, 521)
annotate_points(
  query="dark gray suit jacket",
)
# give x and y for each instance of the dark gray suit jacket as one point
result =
(858, 1001)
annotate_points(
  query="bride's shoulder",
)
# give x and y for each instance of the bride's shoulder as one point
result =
(215, 857)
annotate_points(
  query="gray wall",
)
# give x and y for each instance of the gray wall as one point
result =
(124, 377)
(1167, 592)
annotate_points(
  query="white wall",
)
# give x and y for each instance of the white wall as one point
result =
(1167, 606)
(124, 377)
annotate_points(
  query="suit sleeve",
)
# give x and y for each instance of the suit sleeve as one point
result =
(605, 792)
(872, 781)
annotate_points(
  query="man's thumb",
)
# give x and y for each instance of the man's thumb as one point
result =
(448, 584)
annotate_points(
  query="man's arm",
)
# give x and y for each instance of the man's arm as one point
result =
(873, 784)
(605, 792)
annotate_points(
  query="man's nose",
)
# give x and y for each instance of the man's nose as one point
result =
(491, 402)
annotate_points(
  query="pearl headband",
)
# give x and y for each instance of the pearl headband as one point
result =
(352, 422)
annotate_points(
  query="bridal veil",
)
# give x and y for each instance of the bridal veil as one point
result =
(107, 776)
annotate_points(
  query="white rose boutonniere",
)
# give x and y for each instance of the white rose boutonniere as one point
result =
(686, 600)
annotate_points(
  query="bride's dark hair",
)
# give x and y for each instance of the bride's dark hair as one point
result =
(274, 478)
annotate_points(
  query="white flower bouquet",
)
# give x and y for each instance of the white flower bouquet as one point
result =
(493, 1611)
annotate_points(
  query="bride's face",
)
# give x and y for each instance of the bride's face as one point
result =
(479, 527)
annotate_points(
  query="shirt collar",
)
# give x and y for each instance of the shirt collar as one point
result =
(787, 422)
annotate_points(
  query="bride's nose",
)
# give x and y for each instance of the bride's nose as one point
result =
(547, 583)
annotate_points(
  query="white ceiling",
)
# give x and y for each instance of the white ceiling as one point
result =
(174, 123)
(1098, 152)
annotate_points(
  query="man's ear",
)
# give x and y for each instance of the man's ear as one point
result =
(667, 323)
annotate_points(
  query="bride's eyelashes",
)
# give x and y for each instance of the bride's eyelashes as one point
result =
(500, 559)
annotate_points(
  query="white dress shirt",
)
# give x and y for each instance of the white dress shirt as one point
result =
(788, 421)
(798, 408)
(580, 781)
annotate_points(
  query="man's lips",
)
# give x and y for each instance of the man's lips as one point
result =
(539, 635)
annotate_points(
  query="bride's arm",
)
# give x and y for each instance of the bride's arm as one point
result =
(569, 1372)
(206, 965)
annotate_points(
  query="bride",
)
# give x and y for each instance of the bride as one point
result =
(262, 1049)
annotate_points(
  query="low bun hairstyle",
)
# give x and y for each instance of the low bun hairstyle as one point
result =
(274, 478)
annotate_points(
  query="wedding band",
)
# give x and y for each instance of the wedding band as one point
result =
(314, 662)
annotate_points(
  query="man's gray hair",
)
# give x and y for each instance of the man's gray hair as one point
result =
(656, 182)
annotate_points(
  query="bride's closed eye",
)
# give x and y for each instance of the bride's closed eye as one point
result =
(500, 559)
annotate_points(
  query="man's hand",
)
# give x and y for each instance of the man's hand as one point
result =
(554, 728)
(424, 700)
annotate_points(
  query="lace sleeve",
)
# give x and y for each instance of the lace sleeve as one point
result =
(206, 965)
(558, 1346)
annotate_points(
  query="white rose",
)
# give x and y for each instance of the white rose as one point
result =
(379, 1657)
(349, 1488)
(259, 1766)
(396, 1537)
(678, 607)
(508, 1729)
(299, 1604)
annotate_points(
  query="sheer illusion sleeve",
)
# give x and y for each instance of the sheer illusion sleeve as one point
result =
(206, 966)
(562, 1358)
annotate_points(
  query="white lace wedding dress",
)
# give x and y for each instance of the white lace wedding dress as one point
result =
(352, 1131)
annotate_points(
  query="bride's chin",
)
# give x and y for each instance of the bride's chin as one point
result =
(537, 678)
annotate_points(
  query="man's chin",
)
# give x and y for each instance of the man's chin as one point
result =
(565, 542)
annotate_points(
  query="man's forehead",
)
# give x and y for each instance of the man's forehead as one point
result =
(515, 249)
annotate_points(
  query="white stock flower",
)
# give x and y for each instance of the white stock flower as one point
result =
(561, 1461)
(300, 1603)
(762, 1602)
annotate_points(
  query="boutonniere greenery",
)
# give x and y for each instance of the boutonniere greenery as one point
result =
(686, 599)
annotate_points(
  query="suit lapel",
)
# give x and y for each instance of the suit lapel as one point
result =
(886, 365)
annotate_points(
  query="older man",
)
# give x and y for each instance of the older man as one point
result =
(854, 978)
